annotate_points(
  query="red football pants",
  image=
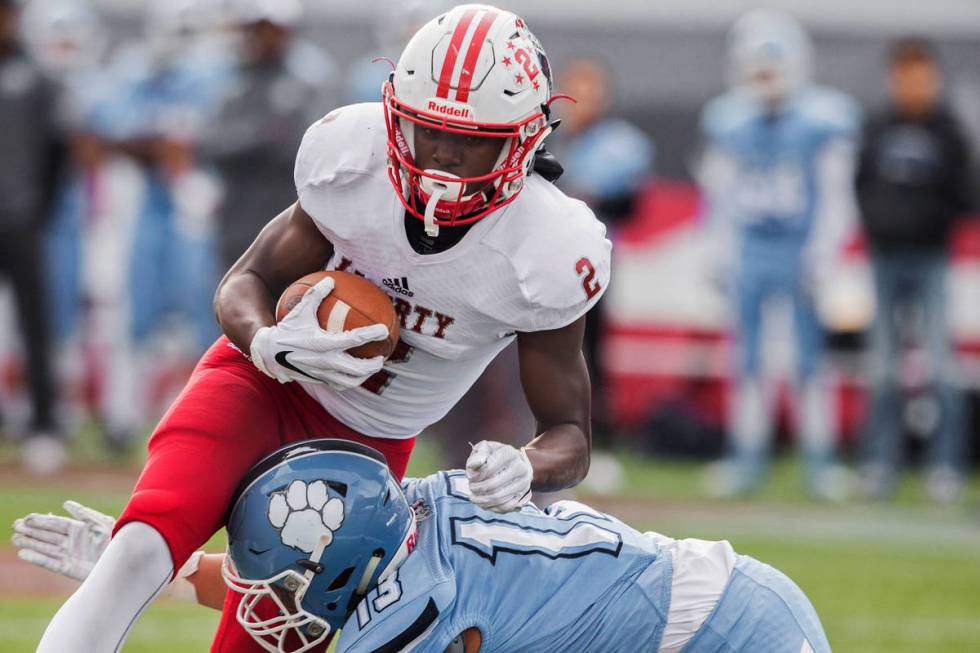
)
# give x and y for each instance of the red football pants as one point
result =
(228, 417)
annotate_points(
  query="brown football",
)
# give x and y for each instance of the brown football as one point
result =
(354, 302)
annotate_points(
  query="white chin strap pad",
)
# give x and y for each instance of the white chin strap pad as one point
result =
(436, 190)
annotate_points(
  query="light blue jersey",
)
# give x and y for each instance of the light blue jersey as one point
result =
(774, 195)
(612, 158)
(570, 579)
(172, 264)
(566, 579)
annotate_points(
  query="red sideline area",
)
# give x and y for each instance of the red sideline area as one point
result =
(696, 360)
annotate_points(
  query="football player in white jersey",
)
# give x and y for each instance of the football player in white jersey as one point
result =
(432, 195)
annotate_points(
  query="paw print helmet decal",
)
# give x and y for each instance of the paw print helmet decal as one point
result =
(313, 528)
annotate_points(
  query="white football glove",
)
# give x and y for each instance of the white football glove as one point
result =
(71, 547)
(499, 475)
(64, 545)
(298, 349)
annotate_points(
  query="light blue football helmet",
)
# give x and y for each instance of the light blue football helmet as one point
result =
(313, 528)
(769, 54)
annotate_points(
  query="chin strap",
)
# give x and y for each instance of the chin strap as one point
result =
(437, 189)
(431, 228)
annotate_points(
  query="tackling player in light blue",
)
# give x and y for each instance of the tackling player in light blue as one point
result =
(571, 578)
(321, 536)
(777, 176)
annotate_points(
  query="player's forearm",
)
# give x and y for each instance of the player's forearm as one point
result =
(289, 247)
(208, 584)
(560, 457)
(243, 304)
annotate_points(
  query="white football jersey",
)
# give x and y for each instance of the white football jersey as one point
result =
(538, 263)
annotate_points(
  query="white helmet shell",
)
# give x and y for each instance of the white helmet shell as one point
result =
(477, 63)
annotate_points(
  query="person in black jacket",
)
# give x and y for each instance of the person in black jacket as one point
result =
(912, 185)
(31, 150)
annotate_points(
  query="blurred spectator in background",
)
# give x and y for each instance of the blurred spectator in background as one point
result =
(31, 151)
(608, 162)
(777, 173)
(163, 91)
(912, 184)
(393, 24)
(68, 39)
(280, 85)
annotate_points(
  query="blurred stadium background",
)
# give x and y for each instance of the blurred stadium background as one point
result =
(901, 575)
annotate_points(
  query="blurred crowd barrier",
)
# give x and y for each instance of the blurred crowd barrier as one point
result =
(166, 133)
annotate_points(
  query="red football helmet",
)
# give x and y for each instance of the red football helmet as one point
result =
(476, 70)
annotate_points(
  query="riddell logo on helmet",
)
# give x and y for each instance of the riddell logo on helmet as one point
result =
(450, 109)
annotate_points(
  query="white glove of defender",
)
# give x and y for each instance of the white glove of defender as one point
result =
(71, 547)
(66, 546)
(298, 349)
(499, 475)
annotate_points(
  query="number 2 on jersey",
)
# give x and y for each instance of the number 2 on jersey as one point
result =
(589, 283)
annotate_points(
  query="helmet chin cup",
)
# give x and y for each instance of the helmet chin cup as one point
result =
(437, 189)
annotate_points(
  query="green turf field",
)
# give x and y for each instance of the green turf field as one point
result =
(902, 577)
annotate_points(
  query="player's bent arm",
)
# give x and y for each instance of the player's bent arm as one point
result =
(208, 584)
(289, 247)
(556, 385)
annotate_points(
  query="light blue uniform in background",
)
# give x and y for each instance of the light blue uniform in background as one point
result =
(567, 579)
(780, 196)
(611, 158)
(172, 269)
(72, 207)
(774, 202)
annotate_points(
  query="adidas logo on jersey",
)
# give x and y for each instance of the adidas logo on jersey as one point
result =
(399, 286)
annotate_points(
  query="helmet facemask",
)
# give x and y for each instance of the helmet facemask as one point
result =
(284, 593)
(443, 194)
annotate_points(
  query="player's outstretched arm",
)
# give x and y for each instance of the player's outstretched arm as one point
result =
(556, 384)
(71, 546)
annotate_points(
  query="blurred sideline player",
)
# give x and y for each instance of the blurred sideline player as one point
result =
(68, 39)
(132, 242)
(280, 83)
(777, 175)
(31, 155)
(393, 23)
(476, 251)
(321, 537)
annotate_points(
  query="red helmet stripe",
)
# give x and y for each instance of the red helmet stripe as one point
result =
(449, 63)
(472, 54)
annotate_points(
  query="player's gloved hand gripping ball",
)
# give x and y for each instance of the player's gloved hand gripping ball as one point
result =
(499, 475)
(324, 339)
